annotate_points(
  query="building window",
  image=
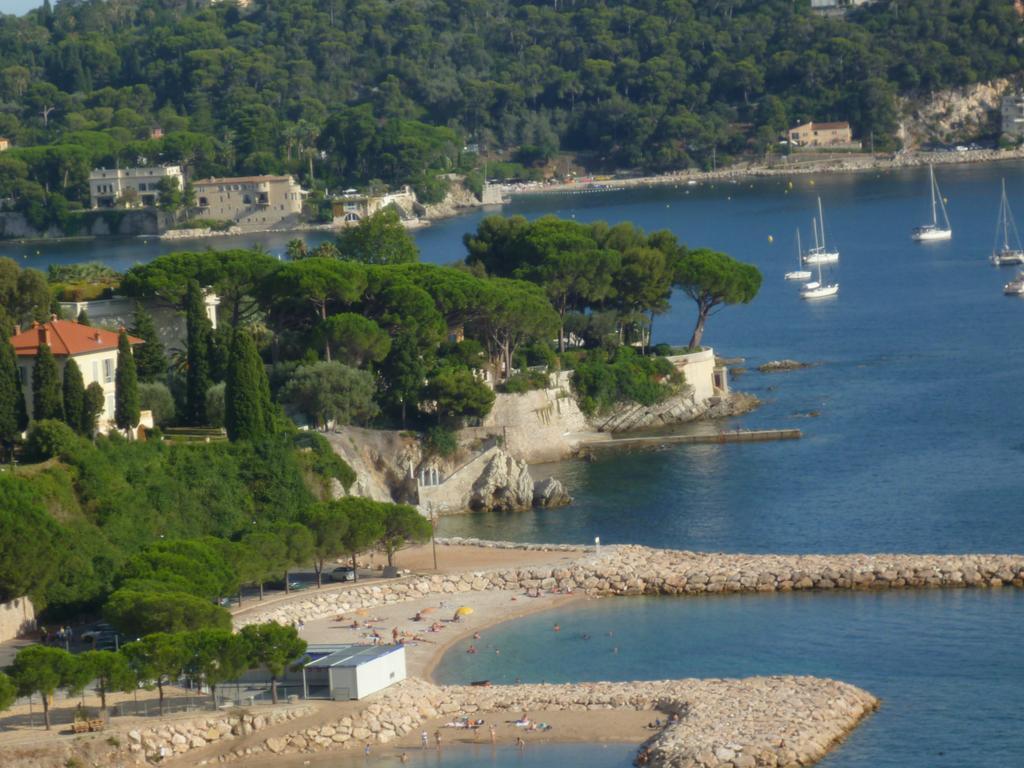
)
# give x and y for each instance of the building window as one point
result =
(108, 370)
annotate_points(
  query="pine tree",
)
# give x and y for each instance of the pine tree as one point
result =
(197, 377)
(247, 409)
(47, 401)
(150, 359)
(13, 414)
(126, 386)
(74, 396)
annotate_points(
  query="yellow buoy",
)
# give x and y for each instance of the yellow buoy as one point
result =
(812, 182)
(771, 239)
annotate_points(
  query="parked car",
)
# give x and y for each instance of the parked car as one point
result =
(343, 573)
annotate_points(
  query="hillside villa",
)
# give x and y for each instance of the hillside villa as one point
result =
(832, 135)
(93, 349)
(130, 187)
(250, 201)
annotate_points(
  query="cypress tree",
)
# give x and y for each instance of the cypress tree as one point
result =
(197, 376)
(47, 401)
(74, 396)
(126, 386)
(150, 359)
(247, 409)
(83, 318)
(13, 414)
(92, 408)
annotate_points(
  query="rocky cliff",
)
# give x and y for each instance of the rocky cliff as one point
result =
(957, 114)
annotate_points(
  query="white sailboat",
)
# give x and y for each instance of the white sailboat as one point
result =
(820, 254)
(933, 232)
(1016, 286)
(1005, 254)
(816, 289)
(799, 273)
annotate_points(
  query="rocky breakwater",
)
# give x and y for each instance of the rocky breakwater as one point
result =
(149, 744)
(636, 570)
(760, 721)
(642, 570)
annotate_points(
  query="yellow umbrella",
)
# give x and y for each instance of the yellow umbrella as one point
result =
(464, 611)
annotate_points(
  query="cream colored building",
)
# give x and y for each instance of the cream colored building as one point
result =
(93, 349)
(107, 186)
(822, 135)
(253, 201)
(5, 144)
(352, 207)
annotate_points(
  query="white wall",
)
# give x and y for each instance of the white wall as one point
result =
(378, 674)
(17, 618)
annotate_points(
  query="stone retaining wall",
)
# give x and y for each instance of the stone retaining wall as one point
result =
(151, 744)
(635, 570)
(759, 721)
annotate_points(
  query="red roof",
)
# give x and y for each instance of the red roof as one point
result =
(65, 338)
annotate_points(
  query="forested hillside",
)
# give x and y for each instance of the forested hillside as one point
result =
(346, 91)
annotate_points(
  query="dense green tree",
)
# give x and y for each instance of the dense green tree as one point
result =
(267, 558)
(197, 374)
(47, 398)
(713, 279)
(8, 692)
(275, 647)
(331, 393)
(365, 525)
(83, 317)
(405, 371)
(150, 358)
(92, 407)
(403, 525)
(157, 398)
(216, 656)
(38, 669)
(328, 522)
(141, 613)
(157, 658)
(28, 540)
(379, 239)
(73, 391)
(247, 407)
(455, 393)
(354, 339)
(13, 413)
(126, 386)
(111, 672)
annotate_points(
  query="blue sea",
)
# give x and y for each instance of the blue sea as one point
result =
(913, 442)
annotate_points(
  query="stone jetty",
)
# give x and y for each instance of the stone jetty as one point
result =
(635, 570)
(758, 721)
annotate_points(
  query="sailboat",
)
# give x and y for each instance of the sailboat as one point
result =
(816, 289)
(1016, 286)
(1003, 255)
(820, 254)
(932, 232)
(798, 273)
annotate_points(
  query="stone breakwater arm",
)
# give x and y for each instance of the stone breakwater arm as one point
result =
(759, 721)
(635, 570)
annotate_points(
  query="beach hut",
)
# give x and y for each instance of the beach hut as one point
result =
(353, 671)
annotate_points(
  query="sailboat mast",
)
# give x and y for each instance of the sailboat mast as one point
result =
(799, 248)
(1005, 212)
(821, 221)
(935, 214)
(814, 226)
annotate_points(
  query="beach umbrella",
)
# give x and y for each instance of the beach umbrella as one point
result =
(464, 611)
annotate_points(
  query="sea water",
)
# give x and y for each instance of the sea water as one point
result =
(945, 663)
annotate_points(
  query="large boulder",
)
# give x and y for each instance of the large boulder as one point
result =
(504, 485)
(550, 493)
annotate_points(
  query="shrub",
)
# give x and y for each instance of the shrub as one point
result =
(49, 439)
(440, 441)
(601, 382)
(156, 397)
(525, 381)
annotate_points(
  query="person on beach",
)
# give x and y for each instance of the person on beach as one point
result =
(424, 739)
(404, 758)
(494, 734)
(520, 742)
(437, 739)
(394, 635)
(557, 628)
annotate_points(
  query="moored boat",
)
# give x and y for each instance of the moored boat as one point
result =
(935, 231)
(1007, 251)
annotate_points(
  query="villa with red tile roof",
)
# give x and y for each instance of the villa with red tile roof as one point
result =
(93, 349)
